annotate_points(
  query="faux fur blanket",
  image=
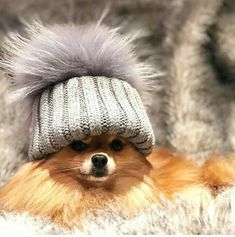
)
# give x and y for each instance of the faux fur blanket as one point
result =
(192, 109)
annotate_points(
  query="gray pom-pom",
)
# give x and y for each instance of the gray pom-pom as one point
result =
(48, 55)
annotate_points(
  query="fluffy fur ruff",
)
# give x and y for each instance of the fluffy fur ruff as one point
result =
(48, 55)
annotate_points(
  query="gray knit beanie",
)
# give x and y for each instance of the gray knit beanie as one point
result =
(77, 82)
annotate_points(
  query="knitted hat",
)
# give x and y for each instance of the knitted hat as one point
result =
(77, 82)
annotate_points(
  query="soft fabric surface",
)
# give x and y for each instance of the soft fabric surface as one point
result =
(180, 218)
(191, 106)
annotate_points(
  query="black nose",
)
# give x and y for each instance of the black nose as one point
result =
(99, 161)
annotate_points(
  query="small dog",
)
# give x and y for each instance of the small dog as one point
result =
(81, 82)
(88, 174)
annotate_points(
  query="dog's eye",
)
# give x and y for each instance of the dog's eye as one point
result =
(79, 146)
(116, 145)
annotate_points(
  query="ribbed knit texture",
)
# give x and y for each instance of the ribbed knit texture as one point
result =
(88, 106)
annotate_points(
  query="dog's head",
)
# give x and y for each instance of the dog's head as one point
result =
(99, 159)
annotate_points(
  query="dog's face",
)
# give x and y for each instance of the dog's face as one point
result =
(98, 159)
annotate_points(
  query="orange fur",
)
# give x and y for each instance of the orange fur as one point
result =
(53, 188)
(172, 173)
(219, 172)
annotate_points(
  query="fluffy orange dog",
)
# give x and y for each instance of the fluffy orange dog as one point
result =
(87, 174)
(84, 81)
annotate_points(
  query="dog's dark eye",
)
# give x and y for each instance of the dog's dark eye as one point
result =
(79, 146)
(116, 145)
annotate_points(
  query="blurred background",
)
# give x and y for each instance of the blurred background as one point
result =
(131, 15)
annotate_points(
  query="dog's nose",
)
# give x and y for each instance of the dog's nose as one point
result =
(99, 161)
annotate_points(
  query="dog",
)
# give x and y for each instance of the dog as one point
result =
(88, 174)
(91, 141)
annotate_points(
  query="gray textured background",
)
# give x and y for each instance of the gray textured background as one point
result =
(192, 107)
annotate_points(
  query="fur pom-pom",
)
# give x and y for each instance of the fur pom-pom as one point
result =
(48, 55)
